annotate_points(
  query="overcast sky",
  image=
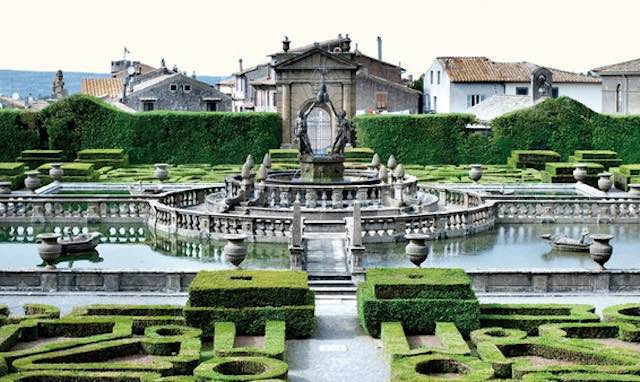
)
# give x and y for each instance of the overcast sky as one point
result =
(210, 36)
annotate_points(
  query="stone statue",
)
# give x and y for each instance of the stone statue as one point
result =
(58, 86)
(304, 144)
(541, 83)
(344, 134)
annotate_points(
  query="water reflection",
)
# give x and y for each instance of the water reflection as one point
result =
(514, 246)
(133, 246)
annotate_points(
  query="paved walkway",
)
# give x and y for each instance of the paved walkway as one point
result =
(337, 351)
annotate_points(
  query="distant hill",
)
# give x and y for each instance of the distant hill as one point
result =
(38, 84)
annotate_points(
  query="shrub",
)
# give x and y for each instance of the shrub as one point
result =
(415, 139)
(621, 330)
(274, 341)
(418, 299)
(142, 316)
(629, 313)
(19, 131)
(242, 369)
(528, 317)
(82, 122)
(235, 289)
(74, 376)
(396, 345)
(429, 367)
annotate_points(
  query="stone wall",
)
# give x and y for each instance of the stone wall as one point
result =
(483, 281)
(630, 87)
(399, 97)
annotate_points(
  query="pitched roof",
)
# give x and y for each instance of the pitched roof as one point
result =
(140, 69)
(101, 87)
(627, 67)
(498, 105)
(482, 69)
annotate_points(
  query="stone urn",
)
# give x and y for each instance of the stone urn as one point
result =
(392, 163)
(417, 249)
(162, 171)
(475, 172)
(600, 250)
(604, 181)
(580, 173)
(235, 250)
(262, 174)
(5, 187)
(249, 161)
(634, 189)
(266, 161)
(48, 248)
(375, 162)
(56, 172)
(383, 175)
(32, 182)
(399, 173)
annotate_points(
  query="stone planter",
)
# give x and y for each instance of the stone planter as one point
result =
(56, 172)
(417, 249)
(162, 171)
(48, 248)
(600, 250)
(604, 181)
(235, 250)
(32, 182)
(5, 187)
(580, 173)
(475, 172)
(634, 189)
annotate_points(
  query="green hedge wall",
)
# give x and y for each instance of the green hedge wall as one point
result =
(82, 122)
(561, 124)
(19, 131)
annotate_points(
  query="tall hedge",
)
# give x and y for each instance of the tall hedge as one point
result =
(419, 139)
(81, 122)
(19, 130)
(562, 125)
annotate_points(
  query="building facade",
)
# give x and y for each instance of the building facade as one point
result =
(620, 87)
(457, 84)
(157, 89)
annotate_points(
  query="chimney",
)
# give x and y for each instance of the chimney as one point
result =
(286, 44)
(379, 48)
(240, 63)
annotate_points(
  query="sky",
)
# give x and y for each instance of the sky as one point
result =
(209, 36)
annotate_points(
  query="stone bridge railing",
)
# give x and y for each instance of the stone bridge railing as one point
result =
(569, 211)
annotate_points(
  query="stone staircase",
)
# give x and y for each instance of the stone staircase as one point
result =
(327, 264)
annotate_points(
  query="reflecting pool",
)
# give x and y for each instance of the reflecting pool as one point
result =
(505, 247)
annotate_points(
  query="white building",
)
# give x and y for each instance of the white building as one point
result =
(457, 84)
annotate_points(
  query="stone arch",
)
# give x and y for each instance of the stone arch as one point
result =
(320, 126)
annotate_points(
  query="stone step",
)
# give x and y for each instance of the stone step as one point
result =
(334, 290)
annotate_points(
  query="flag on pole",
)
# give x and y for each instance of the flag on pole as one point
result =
(126, 51)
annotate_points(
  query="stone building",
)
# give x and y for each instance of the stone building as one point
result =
(457, 84)
(157, 89)
(356, 84)
(620, 87)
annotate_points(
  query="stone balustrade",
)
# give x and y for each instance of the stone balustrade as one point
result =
(568, 211)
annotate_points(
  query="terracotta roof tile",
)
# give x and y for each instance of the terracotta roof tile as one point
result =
(482, 69)
(101, 87)
(632, 66)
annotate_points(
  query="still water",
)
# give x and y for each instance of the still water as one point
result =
(505, 247)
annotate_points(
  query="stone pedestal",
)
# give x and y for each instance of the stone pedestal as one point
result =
(321, 168)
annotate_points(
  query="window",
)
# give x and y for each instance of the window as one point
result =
(381, 100)
(555, 92)
(438, 77)
(274, 95)
(435, 103)
(474, 99)
(431, 76)
(148, 105)
(187, 88)
(619, 98)
(211, 105)
(173, 88)
(522, 90)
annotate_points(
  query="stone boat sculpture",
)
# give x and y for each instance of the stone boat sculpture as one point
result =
(562, 242)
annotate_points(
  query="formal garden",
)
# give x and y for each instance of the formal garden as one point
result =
(412, 256)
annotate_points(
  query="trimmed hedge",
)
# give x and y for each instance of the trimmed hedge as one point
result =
(629, 313)
(240, 288)
(396, 345)
(83, 122)
(429, 367)
(528, 317)
(142, 316)
(84, 376)
(423, 300)
(274, 341)
(19, 131)
(242, 369)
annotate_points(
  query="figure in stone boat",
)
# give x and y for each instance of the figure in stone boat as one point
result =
(564, 243)
(344, 134)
